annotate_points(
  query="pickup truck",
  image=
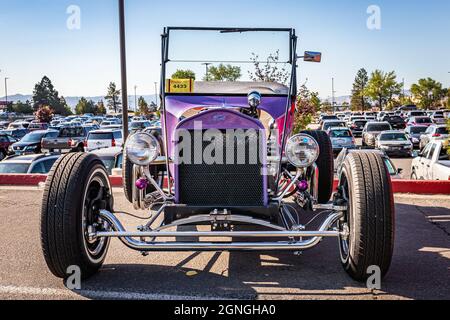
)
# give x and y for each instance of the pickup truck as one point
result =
(433, 162)
(69, 139)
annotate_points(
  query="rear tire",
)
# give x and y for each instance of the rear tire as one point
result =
(325, 163)
(76, 189)
(370, 220)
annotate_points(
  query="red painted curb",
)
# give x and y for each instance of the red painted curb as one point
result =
(417, 187)
(399, 186)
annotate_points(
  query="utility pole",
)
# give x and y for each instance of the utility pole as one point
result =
(333, 102)
(135, 99)
(206, 64)
(6, 91)
(123, 68)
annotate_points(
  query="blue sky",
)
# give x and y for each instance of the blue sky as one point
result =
(413, 39)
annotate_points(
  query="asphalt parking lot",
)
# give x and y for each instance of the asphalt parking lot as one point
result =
(420, 269)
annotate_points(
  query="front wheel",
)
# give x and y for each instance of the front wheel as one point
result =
(368, 227)
(76, 190)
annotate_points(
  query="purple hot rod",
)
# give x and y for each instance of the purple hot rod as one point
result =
(229, 164)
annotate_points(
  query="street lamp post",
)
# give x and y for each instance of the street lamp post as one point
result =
(135, 99)
(156, 94)
(206, 64)
(6, 91)
(123, 68)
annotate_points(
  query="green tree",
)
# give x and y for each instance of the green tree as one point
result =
(44, 94)
(84, 106)
(383, 87)
(223, 73)
(143, 107)
(358, 100)
(184, 74)
(113, 97)
(270, 71)
(20, 107)
(428, 93)
(100, 108)
(306, 108)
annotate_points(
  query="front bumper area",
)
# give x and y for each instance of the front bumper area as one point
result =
(146, 243)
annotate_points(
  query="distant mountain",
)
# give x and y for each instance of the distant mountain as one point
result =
(73, 101)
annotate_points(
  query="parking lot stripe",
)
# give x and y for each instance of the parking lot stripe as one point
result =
(99, 295)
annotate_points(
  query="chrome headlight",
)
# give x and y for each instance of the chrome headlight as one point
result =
(142, 148)
(302, 150)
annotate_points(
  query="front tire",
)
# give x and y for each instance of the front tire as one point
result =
(76, 189)
(325, 163)
(366, 186)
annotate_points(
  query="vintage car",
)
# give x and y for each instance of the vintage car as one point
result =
(229, 161)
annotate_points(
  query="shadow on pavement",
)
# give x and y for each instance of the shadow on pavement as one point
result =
(420, 270)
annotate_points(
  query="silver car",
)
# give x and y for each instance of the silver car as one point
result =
(371, 132)
(341, 138)
(395, 143)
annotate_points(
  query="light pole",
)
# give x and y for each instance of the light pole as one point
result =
(206, 64)
(156, 94)
(123, 68)
(135, 99)
(6, 91)
(333, 102)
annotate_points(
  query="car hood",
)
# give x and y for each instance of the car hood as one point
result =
(24, 144)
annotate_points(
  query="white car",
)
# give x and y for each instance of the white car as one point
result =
(433, 162)
(100, 139)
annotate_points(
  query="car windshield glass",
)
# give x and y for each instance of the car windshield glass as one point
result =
(33, 137)
(390, 167)
(101, 136)
(423, 120)
(14, 168)
(378, 127)
(393, 137)
(71, 132)
(140, 125)
(442, 130)
(109, 163)
(395, 118)
(239, 53)
(3, 139)
(360, 123)
(416, 130)
(341, 134)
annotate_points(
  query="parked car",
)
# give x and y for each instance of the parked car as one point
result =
(433, 133)
(69, 139)
(38, 126)
(415, 113)
(341, 138)
(395, 173)
(18, 125)
(438, 117)
(396, 122)
(5, 143)
(372, 130)
(139, 125)
(225, 192)
(29, 164)
(414, 133)
(100, 139)
(112, 158)
(394, 143)
(31, 143)
(332, 124)
(357, 127)
(420, 121)
(433, 162)
(15, 133)
(327, 117)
